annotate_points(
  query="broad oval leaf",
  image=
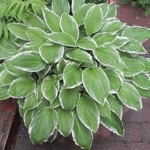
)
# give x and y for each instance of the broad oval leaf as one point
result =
(133, 67)
(143, 93)
(69, 25)
(88, 113)
(96, 84)
(80, 13)
(65, 122)
(51, 53)
(130, 97)
(28, 61)
(76, 4)
(3, 92)
(68, 98)
(113, 124)
(104, 7)
(133, 47)
(103, 39)
(93, 20)
(52, 20)
(6, 78)
(104, 110)
(112, 11)
(79, 55)
(142, 81)
(62, 38)
(19, 30)
(140, 34)
(43, 125)
(113, 26)
(115, 80)
(36, 35)
(36, 21)
(108, 56)
(87, 43)
(59, 7)
(80, 132)
(21, 87)
(115, 106)
(120, 41)
(72, 76)
(31, 102)
(49, 89)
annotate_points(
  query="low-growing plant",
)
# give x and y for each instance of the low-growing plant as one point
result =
(144, 4)
(71, 73)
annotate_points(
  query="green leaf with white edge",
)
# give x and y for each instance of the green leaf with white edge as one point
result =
(28, 61)
(43, 125)
(59, 7)
(72, 76)
(42, 73)
(3, 92)
(143, 93)
(27, 117)
(36, 21)
(49, 89)
(133, 67)
(113, 26)
(61, 65)
(36, 34)
(68, 98)
(104, 110)
(80, 13)
(19, 30)
(38, 90)
(145, 61)
(79, 133)
(6, 78)
(44, 103)
(65, 122)
(62, 39)
(133, 47)
(139, 34)
(80, 55)
(108, 56)
(76, 4)
(31, 102)
(112, 11)
(69, 25)
(130, 97)
(96, 84)
(113, 124)
(51, 53)
(21, 87)
(142, 80)
(87, 43)
(13, 70)
(93, 20)
(52, 20)
(120, 41)
(103, 39)
(1, 67)
(115, 106)
(115, 80)
(88, 113)
(104, 7)
(56, 103)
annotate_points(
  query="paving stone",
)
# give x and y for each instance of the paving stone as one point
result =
(133, 133)
(146, 131)
(138, 146)
(140, 116)
(108, 146)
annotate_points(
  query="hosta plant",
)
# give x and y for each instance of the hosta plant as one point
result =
(73, 68)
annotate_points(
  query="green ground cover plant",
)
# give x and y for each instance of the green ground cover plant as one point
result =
(144, 4)
(73, 68)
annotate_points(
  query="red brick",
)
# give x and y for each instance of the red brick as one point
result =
(146, 131)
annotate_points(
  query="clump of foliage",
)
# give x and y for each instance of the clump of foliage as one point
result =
(72, 71)
(144, 4)
(96, 1)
